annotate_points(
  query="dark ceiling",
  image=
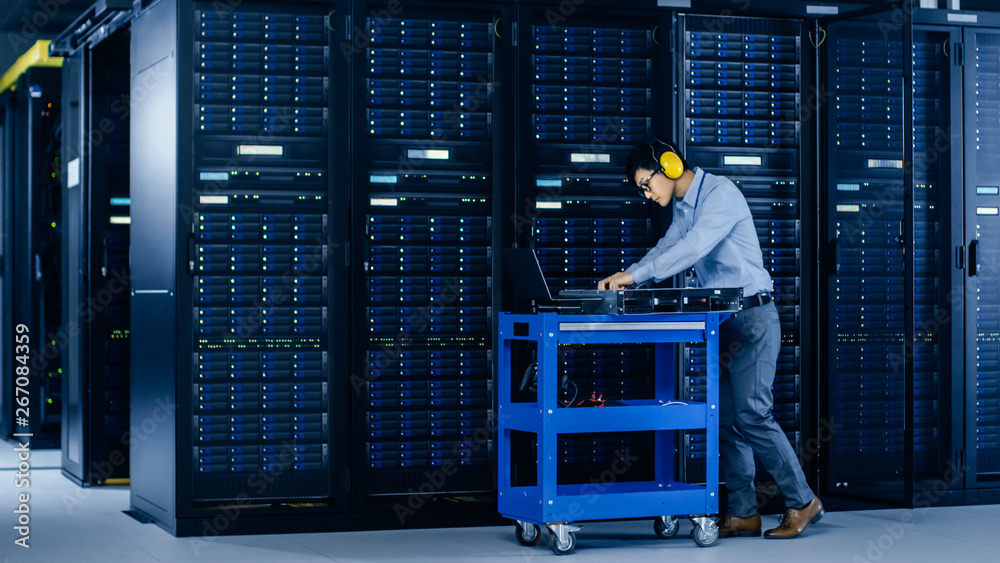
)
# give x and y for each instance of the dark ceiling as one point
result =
(22, 22)
(34, 16)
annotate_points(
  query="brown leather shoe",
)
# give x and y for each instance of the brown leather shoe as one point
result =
(794, 521)
(731, 526)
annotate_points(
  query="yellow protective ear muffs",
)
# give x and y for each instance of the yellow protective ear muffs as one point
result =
(670, 161)
(671, 164)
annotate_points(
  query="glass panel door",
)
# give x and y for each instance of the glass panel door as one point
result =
(982, 240)
(865, 281)
(937, 313)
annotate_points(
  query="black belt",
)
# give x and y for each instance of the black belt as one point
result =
(762, 298)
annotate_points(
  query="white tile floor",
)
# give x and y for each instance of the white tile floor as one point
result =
(70, 524)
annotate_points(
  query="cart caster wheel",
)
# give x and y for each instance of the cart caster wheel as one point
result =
(666, 529)
(705, 536)
(527, 536)
(561, 549)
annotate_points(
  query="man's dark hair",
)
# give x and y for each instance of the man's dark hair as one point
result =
(646, 156)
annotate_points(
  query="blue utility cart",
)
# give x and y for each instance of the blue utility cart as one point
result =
(559, 507)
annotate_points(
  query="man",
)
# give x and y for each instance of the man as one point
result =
(713, 231)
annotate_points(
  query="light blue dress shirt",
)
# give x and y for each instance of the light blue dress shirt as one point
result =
(713, 231)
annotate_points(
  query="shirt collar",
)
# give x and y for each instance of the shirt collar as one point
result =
(692, 194)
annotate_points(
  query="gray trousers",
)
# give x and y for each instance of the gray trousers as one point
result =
(748, 351)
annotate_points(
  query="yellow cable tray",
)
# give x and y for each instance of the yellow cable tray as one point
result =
(37, 55)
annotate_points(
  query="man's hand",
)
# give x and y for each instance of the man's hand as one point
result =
(621, 280)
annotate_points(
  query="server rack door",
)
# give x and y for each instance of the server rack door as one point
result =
(109, 220)
(744, 85)
(428, 171)
(982, 241)
(74, 407)
(153, 259)
(262, 252)
(864, 218)
(593, 82)
(922, 295)
(233, 135)
(937, 325)
(34, 258)
(96, 220)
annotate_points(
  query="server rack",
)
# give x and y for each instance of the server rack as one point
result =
(979, 241)
(590, 81)
(95, 216)
(867, 166)
(431, 104)
(238, 264)
(895, 319)
(744, 87)
(31, 252)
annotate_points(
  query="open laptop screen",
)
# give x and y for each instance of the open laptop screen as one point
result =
(521, 264)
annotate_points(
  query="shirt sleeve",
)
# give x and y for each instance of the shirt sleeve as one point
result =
(669, 239)
(715, 218)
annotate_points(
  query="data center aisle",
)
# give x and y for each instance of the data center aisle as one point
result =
(69, 523)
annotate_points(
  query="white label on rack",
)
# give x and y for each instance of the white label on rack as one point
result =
(822, 10)
(732, 160)
(260, 150)
(590, 158)
(885, 163)
(963, 18)
(428, 154)
(73, 173)
(213, 176)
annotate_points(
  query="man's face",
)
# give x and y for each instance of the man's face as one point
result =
(655, 185)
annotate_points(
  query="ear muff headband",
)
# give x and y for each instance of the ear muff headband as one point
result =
(670, 163)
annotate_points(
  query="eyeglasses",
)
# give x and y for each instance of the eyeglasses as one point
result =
(643, 186)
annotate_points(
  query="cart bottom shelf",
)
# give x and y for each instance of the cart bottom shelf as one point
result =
(605, 501)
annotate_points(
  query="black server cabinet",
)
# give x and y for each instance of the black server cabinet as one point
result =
(431, 154)
(238, 266)
(919, 374)
(593, 81)
(29, 182)
(981, 240)
(95, 218)
(894, 279)
(744, 111)
(866, 310)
